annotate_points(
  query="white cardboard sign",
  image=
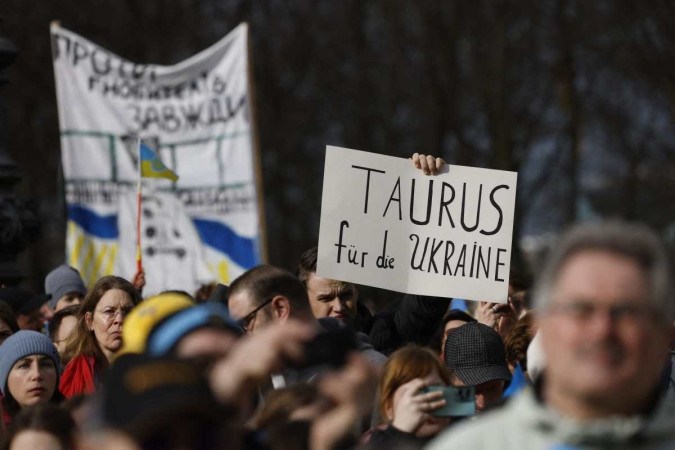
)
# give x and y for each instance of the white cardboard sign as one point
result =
(386, 224)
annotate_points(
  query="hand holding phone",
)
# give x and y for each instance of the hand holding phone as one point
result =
(412, 405)
(459, 401)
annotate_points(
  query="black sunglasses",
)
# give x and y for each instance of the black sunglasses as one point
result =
(245, 321)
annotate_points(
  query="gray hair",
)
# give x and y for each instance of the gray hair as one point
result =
(634, 241)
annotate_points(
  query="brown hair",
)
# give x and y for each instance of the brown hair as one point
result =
(82, 341)
(264, 282)
(8, 316)
(518, 340)
(55, 322)
(630, 240)
(306, 265)
(281, 403)
(404, 365)
(204, 291)
(45, 417)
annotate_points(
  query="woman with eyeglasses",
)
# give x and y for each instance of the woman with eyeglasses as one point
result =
(97, 335)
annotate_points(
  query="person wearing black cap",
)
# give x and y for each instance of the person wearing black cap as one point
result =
(475, 356)
(25, 305)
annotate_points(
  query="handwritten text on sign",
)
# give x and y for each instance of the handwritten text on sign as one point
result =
(386, 224)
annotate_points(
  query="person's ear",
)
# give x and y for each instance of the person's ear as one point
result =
(89, 320)
(389, 410)
(281, 307)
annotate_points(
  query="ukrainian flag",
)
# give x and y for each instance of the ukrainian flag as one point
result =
(152, 166)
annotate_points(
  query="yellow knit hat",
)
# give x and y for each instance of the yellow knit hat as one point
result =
(146, 316)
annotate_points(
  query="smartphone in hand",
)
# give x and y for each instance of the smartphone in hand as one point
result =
(459, 401)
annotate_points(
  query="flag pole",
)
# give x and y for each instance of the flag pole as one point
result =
(255, 141)
(139, 199)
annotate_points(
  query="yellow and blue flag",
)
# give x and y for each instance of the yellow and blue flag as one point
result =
(152, 166)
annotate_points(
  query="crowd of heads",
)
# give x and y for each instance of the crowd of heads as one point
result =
(278, 360)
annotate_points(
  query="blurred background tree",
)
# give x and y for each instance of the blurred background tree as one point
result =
(576, 96)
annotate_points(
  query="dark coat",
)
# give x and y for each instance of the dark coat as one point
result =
(411, 320)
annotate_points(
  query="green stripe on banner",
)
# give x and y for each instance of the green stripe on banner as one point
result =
(104, 134)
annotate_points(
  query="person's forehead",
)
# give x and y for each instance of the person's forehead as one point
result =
(240, 303)
(67, 323)
(452, 324)
(35, 439)
(115, 297)
(71, 319)
(601, 274)
(318, 283)
(35, 357)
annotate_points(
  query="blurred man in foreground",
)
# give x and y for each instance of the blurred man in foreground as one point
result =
(605, 316)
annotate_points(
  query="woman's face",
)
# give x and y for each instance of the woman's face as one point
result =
(107, 318)
(32, 380)
(67, 326)
(432, 425)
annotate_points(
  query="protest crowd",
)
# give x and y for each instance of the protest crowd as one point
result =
(578, 359)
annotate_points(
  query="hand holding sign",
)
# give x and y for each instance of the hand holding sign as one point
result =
(389, 226)
(500, 317)
(427, 163)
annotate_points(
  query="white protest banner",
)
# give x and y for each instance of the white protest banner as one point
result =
(196, 116)
(386, 224)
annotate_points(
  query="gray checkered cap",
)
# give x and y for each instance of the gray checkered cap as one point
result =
(476, 354)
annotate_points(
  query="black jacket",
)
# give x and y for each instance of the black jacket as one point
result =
(411, 320)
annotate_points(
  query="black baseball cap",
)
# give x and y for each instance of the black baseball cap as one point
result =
(476, 354)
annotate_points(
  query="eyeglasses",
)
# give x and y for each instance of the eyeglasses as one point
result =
(584, 311)
(245, 321)
(109, 314)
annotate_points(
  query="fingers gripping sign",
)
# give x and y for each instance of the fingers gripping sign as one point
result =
(428, 164)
